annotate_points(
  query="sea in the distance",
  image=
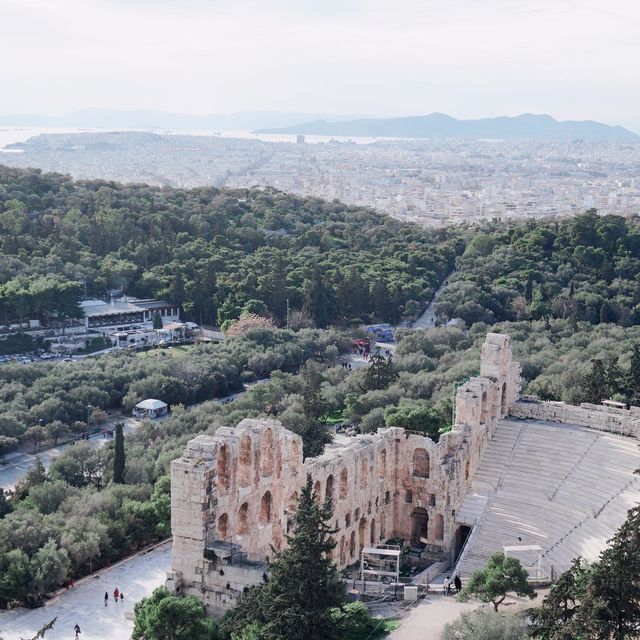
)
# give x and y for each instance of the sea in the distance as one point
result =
(11, 135)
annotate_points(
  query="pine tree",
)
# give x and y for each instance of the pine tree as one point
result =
(304, 583)
(157, 320)
(501, 575)
(556, 618)
(118, 455)
(380, 373)
(612, 605)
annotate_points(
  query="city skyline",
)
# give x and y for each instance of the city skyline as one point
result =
(471, 60)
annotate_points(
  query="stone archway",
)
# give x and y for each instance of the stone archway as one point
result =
(222, 468)
(421, 463)
(362, 533)
(243, 519)
(328, 492)
(264, 516)
(223, 526)
(484, 408)
(244, 462)
(344, 478)
(419, 525)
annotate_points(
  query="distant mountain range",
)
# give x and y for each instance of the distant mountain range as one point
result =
(440, 125)
(146, 119)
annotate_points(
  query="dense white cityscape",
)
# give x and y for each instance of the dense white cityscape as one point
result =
(431, 182)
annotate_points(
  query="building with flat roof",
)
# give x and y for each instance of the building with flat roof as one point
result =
(126, 313)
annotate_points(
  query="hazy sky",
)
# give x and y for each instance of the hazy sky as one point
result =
(469, 58)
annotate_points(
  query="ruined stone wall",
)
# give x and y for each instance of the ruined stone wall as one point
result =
(621, 421)
(240, 487)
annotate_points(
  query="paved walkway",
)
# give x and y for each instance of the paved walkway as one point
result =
(136, 577)
(17, 464)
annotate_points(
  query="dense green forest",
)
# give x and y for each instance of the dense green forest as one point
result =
(214, 252)
(585, 268)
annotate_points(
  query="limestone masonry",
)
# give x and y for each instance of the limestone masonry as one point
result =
(233, 494)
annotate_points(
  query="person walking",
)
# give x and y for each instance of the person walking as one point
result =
(458, 583)
(447, 585)
(106, 598)
(77, 630)
(116, 594)
(121, 596)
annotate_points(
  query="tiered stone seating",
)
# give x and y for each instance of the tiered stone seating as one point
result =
(562, 487)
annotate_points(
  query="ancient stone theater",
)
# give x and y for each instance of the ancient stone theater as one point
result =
(541, 480)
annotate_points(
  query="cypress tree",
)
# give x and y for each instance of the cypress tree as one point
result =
(118, 455)
(528, 289)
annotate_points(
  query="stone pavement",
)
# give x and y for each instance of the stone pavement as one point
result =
(136, 577)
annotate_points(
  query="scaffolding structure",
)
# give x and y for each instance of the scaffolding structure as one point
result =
(381, 561)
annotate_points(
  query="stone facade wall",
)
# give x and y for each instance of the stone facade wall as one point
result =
(240, 487)
(621, 421)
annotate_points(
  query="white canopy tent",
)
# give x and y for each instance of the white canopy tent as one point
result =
(150, 408)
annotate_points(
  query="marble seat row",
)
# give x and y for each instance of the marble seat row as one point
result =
(564, 488)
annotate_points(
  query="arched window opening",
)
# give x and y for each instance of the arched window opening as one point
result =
(419, 526)
(292, 505)
(383, 531)
(467, 469)
(362, 531)
(222, 467)
(243, 519)
(363, 473)
(347, 520)
(344, 477)
(387, 497)
(316, 492)
(382, 463)
(328, 493)
(343, 560)
(244, 462)
(408, 497)
(264, 516)
(503, 400)
(352, 545)
(484, 407)
(223, 525)
(372, 537)
(266, 453)
(421, 463)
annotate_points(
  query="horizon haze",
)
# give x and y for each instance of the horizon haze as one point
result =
(569, 59)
